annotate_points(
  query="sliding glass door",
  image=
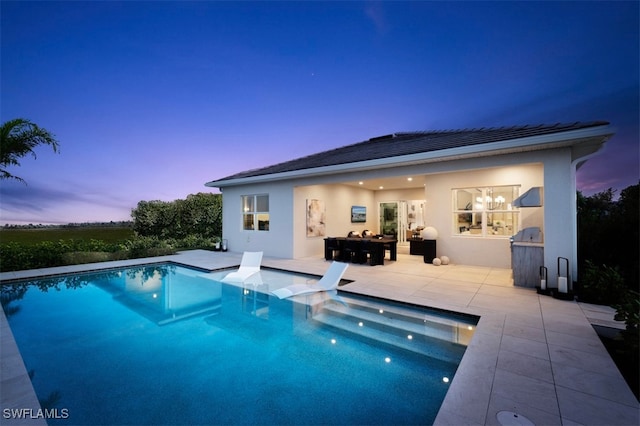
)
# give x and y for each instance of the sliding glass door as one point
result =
(393, 219)
(401, 218)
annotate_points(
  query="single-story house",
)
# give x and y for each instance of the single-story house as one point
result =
(477, 188)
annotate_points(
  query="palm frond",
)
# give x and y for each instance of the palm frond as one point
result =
(19, 137)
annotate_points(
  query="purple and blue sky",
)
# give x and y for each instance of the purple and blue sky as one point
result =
(150, 100)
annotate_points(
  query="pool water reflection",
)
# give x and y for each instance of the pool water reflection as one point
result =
(180, 347)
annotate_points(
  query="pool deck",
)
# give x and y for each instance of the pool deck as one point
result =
(531, 354)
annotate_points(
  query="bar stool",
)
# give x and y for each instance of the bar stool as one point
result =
(367, 253)
(332, 249)
(351, 251)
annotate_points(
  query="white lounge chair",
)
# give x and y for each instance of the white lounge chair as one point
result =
(249, 265)
(328, 282)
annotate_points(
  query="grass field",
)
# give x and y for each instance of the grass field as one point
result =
(35, 236)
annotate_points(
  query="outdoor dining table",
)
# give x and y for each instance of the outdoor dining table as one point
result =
(377, 248)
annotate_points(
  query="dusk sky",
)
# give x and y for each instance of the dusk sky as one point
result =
(151, 100)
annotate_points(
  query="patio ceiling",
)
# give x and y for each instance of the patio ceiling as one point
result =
(386, 183)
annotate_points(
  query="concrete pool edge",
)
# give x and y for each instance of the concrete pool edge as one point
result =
(19, 403)
(487, 380)
(14, 376)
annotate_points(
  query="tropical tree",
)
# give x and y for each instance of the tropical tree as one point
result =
(19, 137)
(608, 235)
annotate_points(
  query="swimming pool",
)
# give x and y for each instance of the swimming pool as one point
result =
(166, 344)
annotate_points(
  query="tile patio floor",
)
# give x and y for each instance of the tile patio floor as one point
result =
(531, 354)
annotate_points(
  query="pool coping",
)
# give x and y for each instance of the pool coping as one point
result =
(531, 354)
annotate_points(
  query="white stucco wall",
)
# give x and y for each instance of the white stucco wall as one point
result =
(288, 203)
(278, 241)
(560, 211)
(472, 250)
(338, 200)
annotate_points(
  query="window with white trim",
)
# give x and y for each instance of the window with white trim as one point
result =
(485, 211)
(255, 212)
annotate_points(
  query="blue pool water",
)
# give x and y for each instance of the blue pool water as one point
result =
(165, 344)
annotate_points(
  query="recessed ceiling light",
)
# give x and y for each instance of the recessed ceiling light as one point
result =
(360, 183)
(409, 179)
(381, 187)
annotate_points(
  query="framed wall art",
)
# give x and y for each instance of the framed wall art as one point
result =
(316, 218)
(358, 214)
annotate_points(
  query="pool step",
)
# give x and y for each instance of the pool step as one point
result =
(418, 321)
(431, 340)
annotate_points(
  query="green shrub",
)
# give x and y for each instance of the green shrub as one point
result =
(601, 222)
(18, 256)
(628, 310)
(601, 285)
(197, 242)
(49, 253)
(148, 246)
(12, 256)
(198, 214)
(80, 257)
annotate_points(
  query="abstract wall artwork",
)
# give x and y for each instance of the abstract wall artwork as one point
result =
(315, 218)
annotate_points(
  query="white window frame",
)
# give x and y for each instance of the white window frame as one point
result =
(482, 205)
(249, 205)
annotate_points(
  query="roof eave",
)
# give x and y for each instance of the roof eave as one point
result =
(590, 140)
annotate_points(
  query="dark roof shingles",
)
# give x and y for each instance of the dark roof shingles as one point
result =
(408, 143)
